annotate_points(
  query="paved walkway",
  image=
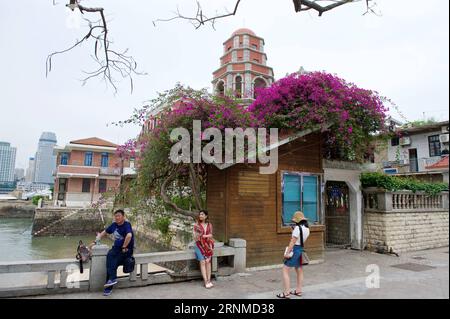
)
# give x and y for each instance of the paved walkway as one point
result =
(423, 274)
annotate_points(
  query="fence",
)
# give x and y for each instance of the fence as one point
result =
(403, 221)
(400, 201)
(58, 271)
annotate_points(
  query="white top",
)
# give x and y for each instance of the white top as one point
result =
(296, 234)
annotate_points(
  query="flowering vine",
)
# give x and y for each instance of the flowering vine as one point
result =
(349, 117)
(301, 101)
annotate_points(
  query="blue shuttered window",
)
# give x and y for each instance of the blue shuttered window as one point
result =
(300, 192)
(310, 197)
(291, 196)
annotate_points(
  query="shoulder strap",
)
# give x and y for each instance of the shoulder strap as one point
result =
(301, 235)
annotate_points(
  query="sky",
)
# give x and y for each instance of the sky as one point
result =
(403, 54)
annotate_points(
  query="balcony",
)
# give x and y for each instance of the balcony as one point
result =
(86, 171)
(67, 171)
(112, 171)
(129, 171)
(388, 164)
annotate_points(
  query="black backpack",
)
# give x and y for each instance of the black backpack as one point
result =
(83, 254)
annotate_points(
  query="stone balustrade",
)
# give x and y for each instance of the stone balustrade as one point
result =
(400, 221)
(376, 199)
(63, 274)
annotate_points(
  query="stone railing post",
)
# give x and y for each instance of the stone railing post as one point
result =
(97, 272)
(445, 200)
(240, 254)
(385, 201)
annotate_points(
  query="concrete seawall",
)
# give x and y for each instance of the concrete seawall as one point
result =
(16, 209)
(55, 221)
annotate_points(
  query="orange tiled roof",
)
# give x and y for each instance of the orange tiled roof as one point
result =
(443, 163)
(95, 141)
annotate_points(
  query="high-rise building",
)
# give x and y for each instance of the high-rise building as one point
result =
(45, 160)
(243, 66)
(7, 165)
(19, 174)
(29, 177)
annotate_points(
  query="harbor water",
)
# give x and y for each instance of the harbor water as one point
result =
(17, 243)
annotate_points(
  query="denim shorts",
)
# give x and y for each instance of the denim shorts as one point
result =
(296, 259)
(198, 253)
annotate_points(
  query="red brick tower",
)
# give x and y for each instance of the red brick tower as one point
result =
(243, 66)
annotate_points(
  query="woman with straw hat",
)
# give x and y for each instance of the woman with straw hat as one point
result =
(293, 255)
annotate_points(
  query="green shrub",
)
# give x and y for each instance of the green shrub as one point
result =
(162, 224)
(183, 202)
(394, 183)
(36, 199)
(186, 202)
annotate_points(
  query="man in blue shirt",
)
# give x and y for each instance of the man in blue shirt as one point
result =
(122, 248)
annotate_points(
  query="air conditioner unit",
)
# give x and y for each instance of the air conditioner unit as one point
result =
(443, 138)
(406, 140)
(445, 129)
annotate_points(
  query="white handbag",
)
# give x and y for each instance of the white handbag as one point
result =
(286, 252)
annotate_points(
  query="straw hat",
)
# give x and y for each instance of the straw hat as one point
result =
(298, 217)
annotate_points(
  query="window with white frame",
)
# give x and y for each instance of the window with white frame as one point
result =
(434, 145)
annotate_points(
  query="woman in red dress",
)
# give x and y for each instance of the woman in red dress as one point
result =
(204, 246)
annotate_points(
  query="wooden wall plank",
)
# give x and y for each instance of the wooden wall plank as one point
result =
(245, 203)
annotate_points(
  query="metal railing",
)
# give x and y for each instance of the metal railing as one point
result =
(116, 171)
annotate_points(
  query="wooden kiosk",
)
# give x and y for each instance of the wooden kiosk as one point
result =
(243, 203)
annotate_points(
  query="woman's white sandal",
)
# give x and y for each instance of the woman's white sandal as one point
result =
(208, 285)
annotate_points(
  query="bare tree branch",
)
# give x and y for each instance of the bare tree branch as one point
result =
(304, 5)
(200, 19)
(110, 61)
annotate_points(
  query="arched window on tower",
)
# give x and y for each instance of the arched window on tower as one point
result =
(238, 86)
(259, 84)
(220, 88)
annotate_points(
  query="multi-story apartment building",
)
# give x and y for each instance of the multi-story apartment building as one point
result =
(421, 151)
(86, 168)
(7, 165)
